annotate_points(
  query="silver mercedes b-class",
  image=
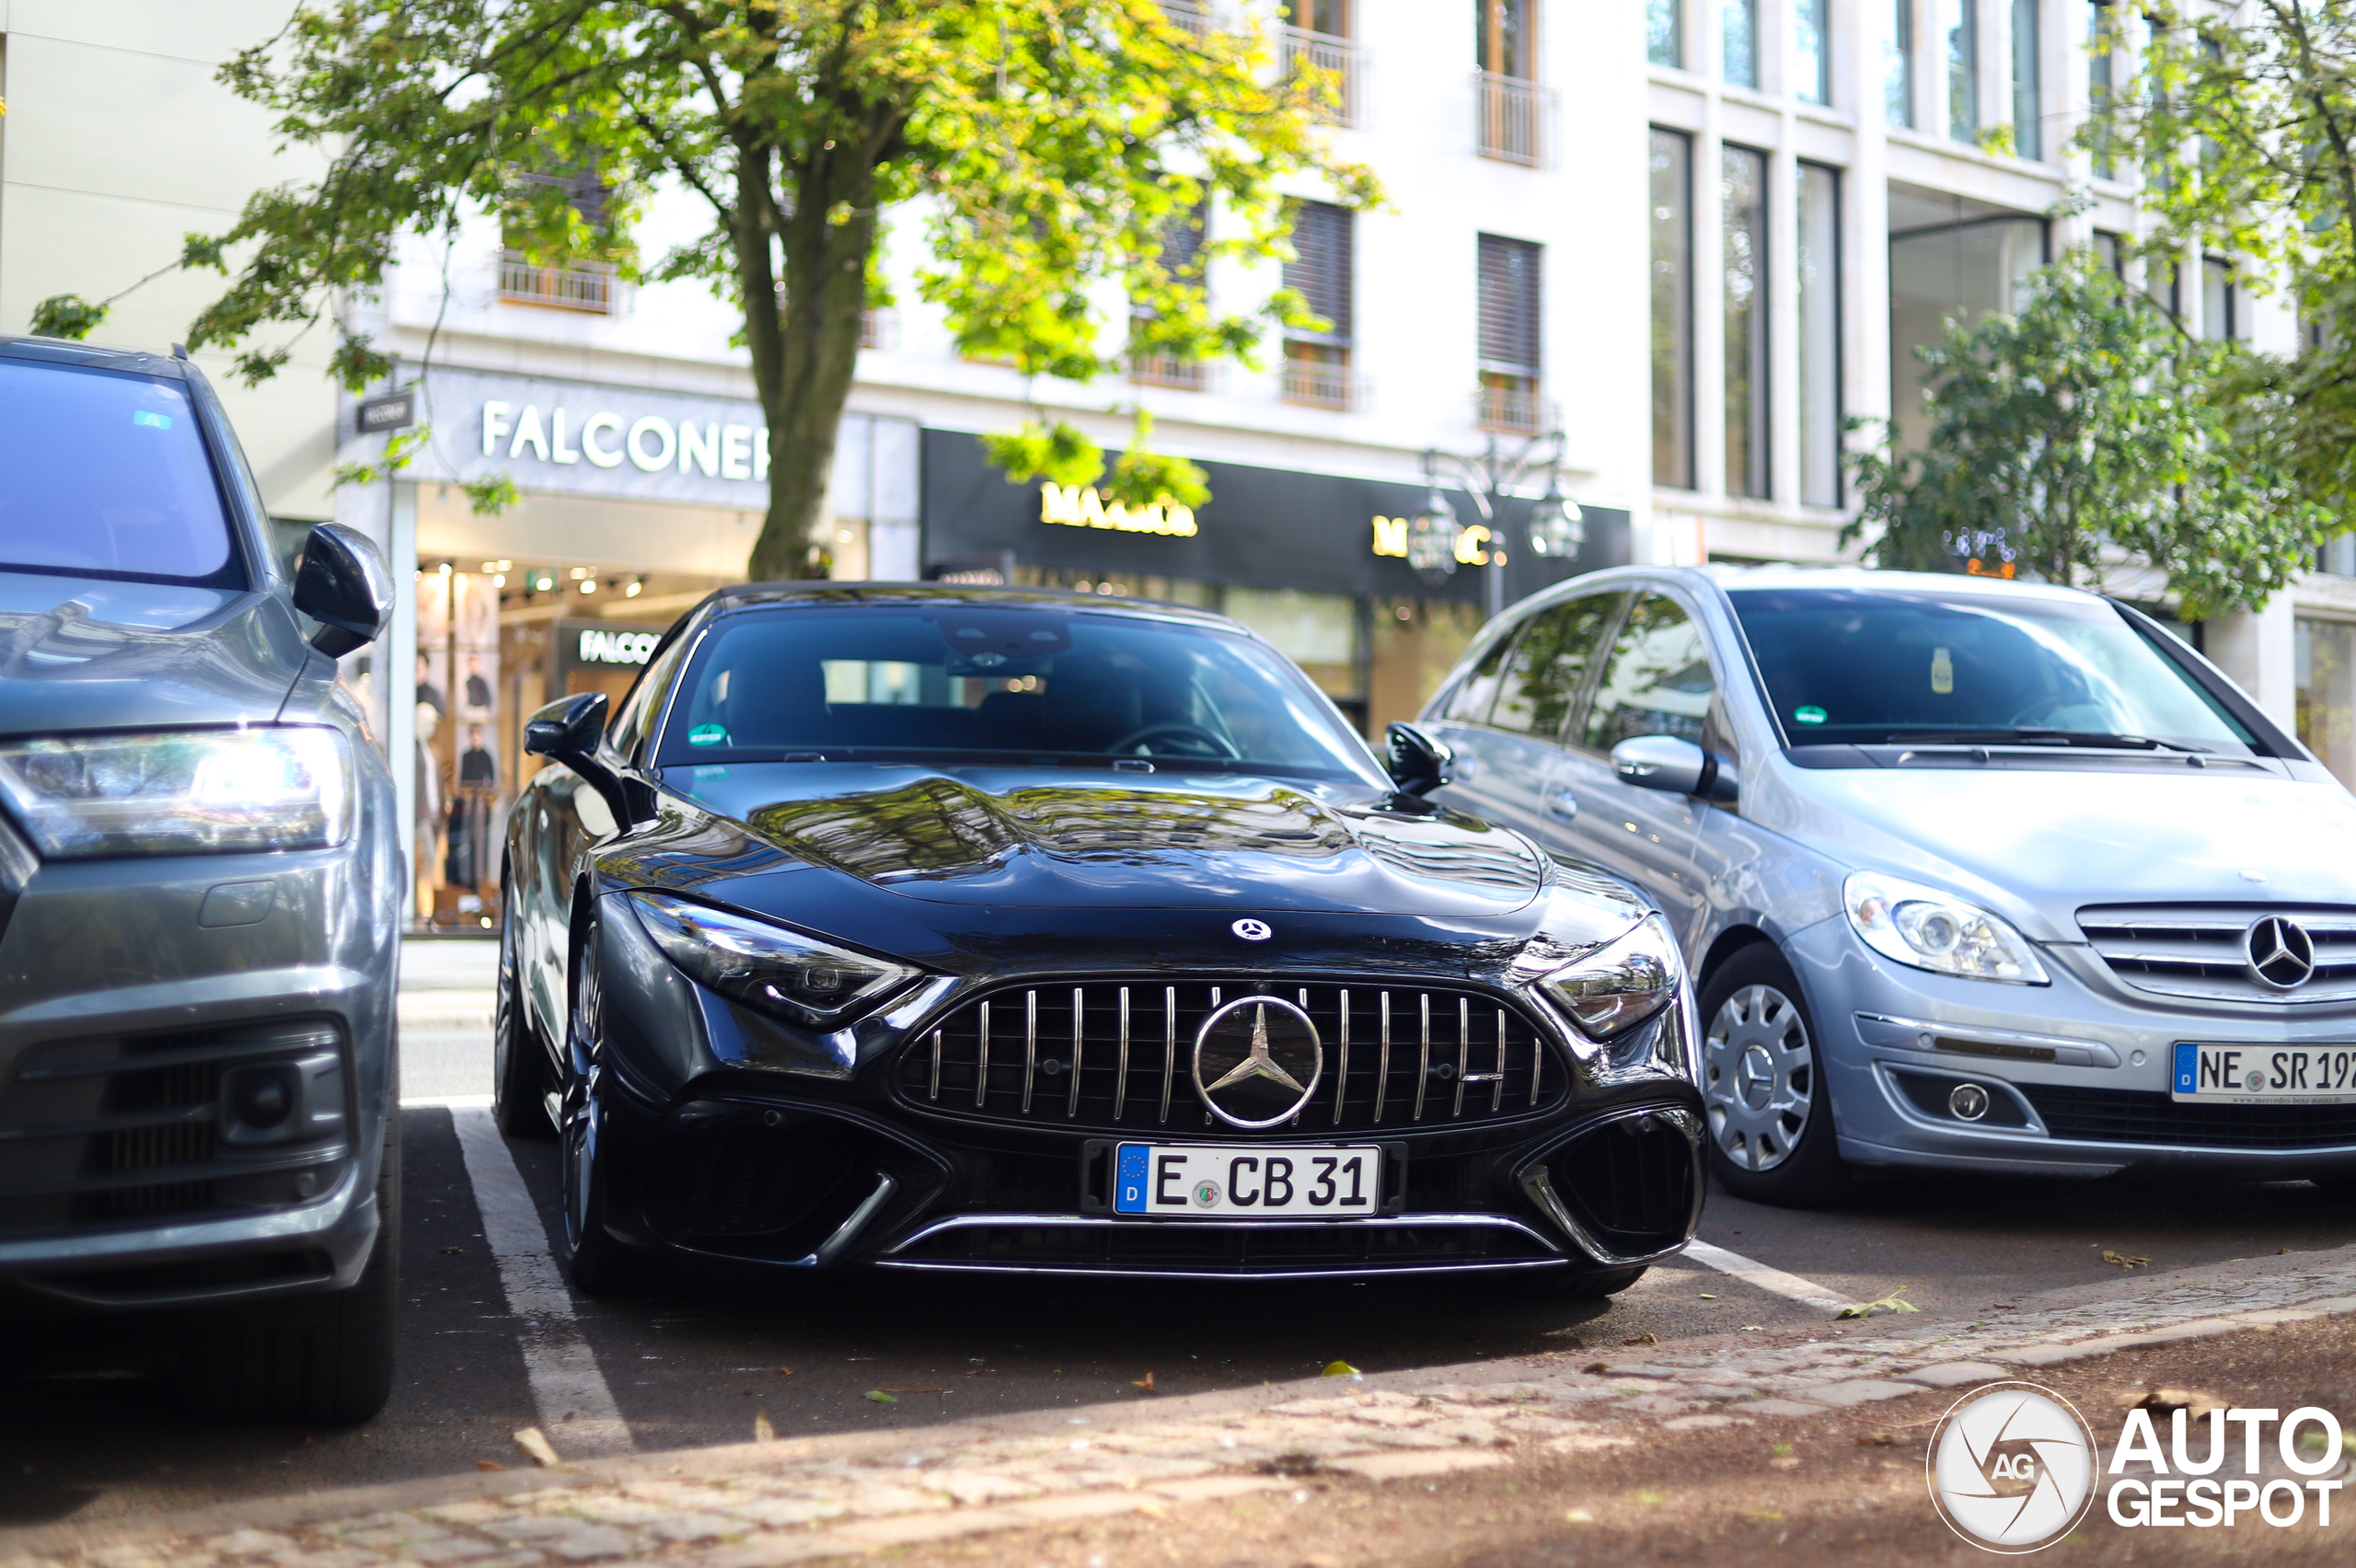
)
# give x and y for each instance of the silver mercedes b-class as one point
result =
(199, 897)
(1971, 874)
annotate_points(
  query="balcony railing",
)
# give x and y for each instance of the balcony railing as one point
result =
(1316, 385)
(1337, 57)
(879, 328)
(1512, 411)
(1188, 17)
(1169, 370)
(1516, 120)
(589, 286)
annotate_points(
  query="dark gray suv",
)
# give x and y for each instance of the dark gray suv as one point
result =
(201, 892)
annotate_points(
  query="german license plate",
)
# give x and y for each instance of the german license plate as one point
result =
(2265, 1074)
(1202, 1180)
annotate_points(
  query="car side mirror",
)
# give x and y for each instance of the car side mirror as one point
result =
(571, 731)
(1420, 762)
(1674, 766)
(342, 584)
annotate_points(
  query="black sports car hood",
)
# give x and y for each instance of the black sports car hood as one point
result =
(81, 653)
(1073, 839)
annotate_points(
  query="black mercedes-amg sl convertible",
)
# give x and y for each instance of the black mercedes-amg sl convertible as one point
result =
(953, 928)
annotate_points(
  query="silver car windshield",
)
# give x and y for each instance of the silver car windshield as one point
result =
(979, 683)
(1869, 667)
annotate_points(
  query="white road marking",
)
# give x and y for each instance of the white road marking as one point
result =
(448, 1102)
(577, 1410)
(1751, 1272)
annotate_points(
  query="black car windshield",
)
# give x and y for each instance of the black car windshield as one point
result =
(982, 682)
(105, 475)
(1867, 667)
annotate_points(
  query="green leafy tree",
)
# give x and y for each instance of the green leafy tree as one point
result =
(2241, 122)
(1044, 145)
(2087, 432)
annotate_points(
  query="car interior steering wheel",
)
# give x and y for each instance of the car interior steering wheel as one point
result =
(1210, 744)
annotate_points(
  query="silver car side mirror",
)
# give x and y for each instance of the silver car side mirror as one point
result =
(1675, 766)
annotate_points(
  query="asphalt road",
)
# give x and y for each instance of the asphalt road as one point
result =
(690, 1363)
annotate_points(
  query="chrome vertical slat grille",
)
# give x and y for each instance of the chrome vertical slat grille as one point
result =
(1089, 1040)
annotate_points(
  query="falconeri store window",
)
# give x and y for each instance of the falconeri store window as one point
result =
(633, 506)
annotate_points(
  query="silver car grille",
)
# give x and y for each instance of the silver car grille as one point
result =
(1117, 1055)
(2201, 950)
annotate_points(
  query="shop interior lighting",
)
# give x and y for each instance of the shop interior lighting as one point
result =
(588, 586)
(579, 573)
(636, 585)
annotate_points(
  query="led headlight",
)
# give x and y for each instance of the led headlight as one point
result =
(765, 966)
(181, 792)
(1621, 984)
(1930, 929)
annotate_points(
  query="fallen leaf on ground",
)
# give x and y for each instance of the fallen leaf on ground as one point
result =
(1595, 1368)
(1145, 1382)
(1878, 1441)
(785, 1371)
(1643, 1339)
(1291, 1464)
(2281, 1252)
(762, 1431)
(452, 1251)
(1783, 1461)
(2124, 1260)
(1754, 1328)
(907, 1391)
(1341, 1369)
(535, 1444)
(1578, 1516)
(1707, 1296)
(2167, 1402)
(489, 1465)
(880, 1397)
(1154, 1510)
(1769, 1515)
(1650, 1497)
(1894, 1302)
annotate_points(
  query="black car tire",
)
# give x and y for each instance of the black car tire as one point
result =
(1754, 1016)
(323, 1359)
(519, 1080)
(594, 1259)
(1575, 1284)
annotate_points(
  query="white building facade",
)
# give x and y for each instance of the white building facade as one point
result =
(1690, 235)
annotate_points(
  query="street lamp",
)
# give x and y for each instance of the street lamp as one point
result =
(1556, 530)
(1431, 540)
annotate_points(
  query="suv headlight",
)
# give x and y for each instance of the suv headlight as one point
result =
(1930, 929)
(181, 792)
(1621, 984)
(765, 966)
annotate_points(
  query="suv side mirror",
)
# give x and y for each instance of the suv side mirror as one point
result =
(1675, 766)
(1420, 763)
(343, 586)
(570, 730)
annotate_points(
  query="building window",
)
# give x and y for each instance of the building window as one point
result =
(2028, 99)
(1182, 259)
(1962, 31)
(1949, 260)
(1515, 112)
(1742, 180)
(1819, 333)
(2099, 70)
(1812, 50)
(1665, 32)
(525, 277)
(2106, 251)
(1898, 67)
(2323, 667)
(1317, 361)
(1741, 21)
(1672, 307)
(1509, 397)
(2218, 300)
(1318, 33)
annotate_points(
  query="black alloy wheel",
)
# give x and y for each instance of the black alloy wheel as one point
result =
(519, 1073)
(1763, 1088)
(596, 1263)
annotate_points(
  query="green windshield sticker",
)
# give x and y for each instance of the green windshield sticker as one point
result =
(159, 422)
(1811, 714)
(708, 735)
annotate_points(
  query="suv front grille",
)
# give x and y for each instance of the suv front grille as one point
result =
(1396, 1056)
(2201, 950)
(2133, 1116)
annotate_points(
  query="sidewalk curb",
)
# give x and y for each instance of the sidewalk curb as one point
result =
(756, 1504)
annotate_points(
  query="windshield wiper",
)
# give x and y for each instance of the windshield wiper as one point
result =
(2040, 735)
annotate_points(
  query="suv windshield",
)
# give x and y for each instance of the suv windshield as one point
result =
(105, 475)
(983, 684)
(1860, 667)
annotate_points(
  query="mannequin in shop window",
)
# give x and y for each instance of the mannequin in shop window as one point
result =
(477, 688)
(428, 822)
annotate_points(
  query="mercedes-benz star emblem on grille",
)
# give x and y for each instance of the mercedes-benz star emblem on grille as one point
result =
(1253, 930)
(2282, 954)
(1257, 1060)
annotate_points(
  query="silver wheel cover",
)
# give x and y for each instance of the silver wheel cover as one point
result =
(1757, 1076)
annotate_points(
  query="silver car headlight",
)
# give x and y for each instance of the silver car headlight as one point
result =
(1929, 929)
(1621, 984)
(767, 966)
(183, 792)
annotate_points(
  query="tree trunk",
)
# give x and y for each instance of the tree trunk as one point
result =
(804, 356)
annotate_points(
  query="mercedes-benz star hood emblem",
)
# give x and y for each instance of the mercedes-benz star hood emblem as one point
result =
(1257, 1060)
(1253, 930)
(2282, 954)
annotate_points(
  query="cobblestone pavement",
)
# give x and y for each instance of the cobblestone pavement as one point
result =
(781, 1502)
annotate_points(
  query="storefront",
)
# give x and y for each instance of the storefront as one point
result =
(1313, 562)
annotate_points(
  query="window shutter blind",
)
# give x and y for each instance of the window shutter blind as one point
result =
(1321, 267)
(1510, 306)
